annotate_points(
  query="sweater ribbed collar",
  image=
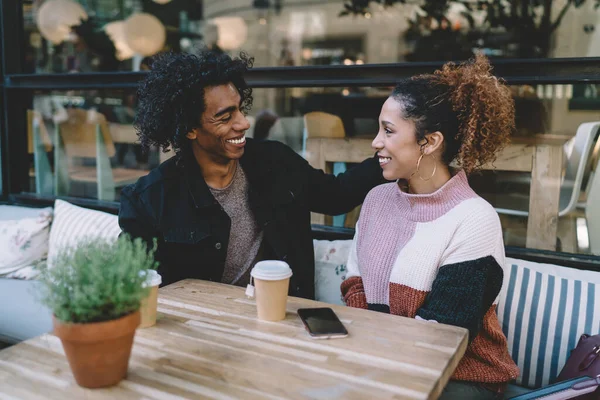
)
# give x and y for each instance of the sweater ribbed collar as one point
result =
(427, 207)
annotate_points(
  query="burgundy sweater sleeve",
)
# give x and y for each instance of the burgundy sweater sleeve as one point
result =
(354, 292)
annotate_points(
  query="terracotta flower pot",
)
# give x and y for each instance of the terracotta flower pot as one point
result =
(98, 352)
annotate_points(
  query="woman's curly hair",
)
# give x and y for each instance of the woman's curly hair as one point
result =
(171, 97)
(472, 108)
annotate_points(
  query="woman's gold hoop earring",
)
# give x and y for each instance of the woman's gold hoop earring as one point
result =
(419, 165)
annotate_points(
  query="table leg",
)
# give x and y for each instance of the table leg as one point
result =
(544, 197)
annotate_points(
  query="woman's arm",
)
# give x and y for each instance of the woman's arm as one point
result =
(462, 293)
(352, 288)
(471, 274)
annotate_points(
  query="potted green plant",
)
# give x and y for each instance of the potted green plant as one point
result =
(94, 291)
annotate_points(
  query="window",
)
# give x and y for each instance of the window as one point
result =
(72, 134)
(83, 144)
(313, 32)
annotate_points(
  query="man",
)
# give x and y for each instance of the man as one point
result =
(224, 201)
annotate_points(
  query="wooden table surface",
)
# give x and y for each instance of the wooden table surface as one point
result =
(207, 343)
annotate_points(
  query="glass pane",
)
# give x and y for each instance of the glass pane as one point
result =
(83, 144)
(541, 163)
(546, 174)
(283, 33)
(106, 35)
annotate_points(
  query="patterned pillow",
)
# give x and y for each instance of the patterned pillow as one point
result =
(543, 310)
(72, 224)
(9, 213)
(330, 269)
(23, 242)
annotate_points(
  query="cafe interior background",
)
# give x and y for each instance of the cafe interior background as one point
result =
(65, 59)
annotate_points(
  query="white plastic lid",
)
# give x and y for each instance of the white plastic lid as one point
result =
(271, 270)
(152, 278)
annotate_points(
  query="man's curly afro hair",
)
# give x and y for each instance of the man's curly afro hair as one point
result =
(171, 97)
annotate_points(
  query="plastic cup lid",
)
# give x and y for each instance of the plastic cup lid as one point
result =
(271, 270)
(152, 278)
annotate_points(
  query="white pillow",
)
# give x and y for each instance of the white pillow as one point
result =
(72, 224)
(23, 242)
(330, 269)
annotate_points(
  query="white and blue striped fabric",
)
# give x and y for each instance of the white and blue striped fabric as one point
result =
(543, 310)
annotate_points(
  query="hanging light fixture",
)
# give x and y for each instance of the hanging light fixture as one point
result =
(116, 33)
(162, 1)
(144, 34)
(56, 17)
(232, 32)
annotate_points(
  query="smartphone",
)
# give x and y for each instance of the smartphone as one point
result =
(322, 323)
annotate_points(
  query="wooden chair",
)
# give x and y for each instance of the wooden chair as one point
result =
(319, 124)
(39, 144)
(572, 190)
(85, 134)
(323, 125)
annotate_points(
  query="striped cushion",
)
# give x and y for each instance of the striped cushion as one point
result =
(543, 310)
(73, 224)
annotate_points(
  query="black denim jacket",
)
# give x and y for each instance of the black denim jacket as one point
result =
(174, 205)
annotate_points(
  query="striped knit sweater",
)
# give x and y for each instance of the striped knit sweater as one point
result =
(436, 257)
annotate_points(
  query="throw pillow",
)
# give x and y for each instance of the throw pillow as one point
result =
(23, 242)
(330, 269)
(73, 224)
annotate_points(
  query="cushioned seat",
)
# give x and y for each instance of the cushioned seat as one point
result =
(543, 310)
(21, 315)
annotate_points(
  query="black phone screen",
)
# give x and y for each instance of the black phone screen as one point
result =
(321, 322)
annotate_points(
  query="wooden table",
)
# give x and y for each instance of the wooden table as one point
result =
(540, 155)
(208, 344)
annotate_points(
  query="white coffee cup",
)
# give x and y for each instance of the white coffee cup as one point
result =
(272, 281)
(149, 305)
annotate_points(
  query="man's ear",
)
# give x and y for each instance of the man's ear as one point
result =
(435, 143)
(193, 134)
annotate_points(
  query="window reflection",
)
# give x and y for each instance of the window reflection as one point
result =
(90, 148)
(294, 33)
(82, 143)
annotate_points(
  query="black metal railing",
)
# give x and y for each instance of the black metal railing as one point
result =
(514, 71)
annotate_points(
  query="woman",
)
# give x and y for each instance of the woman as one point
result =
(427, 247)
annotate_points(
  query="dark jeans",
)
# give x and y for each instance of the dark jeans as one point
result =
(456, 390)
(462, 390)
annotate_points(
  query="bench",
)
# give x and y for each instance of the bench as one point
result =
(543, 307)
